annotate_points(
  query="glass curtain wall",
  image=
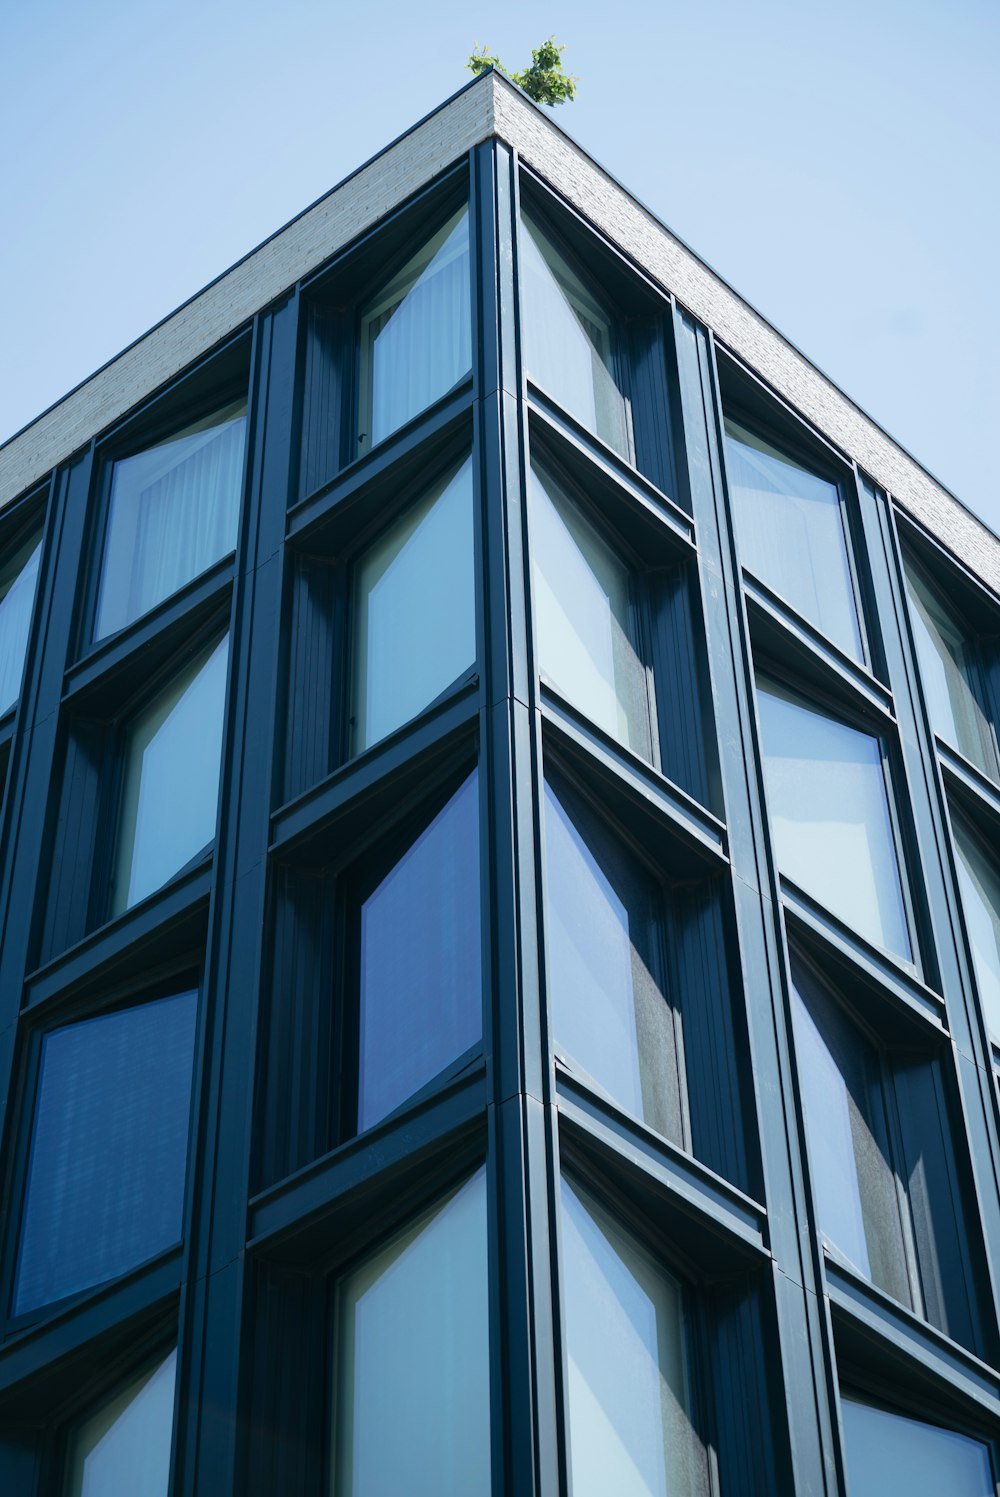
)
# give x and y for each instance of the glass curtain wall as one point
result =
(889, 1453)
(125, 1446)
(979, 883)
(18, 583)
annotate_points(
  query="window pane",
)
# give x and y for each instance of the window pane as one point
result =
(586, 638)
(629, 1412)
(853, 1182)
(412, 1400)
(568, 337)
(948, 671)
(602, 934)
(888, 1453)
(415, 611)
(174, 512)
(826, 794)
(979, 881)
(790, 528)
(171, 782)
(421, 964)
(125, 1447)
(108, 1148)
(18, 580)
(416, 334)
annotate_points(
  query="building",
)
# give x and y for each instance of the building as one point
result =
(500, 982)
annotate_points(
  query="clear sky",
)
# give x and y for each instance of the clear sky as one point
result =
(838, 165)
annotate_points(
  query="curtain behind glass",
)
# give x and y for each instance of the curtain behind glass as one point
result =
(948, 669)
(414, 611)
(171, 785)
(416, 335)
(412, 1396)
(790, 528)
(108, 1156)
(174, 512)
(887, 1453)
(829, 810)
(979, 881)
(18, 581)
(125, 1447)
(630, 1431)
(609, 1012)
(569, 340)
(420, 999)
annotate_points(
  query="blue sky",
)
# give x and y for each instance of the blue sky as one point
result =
(837, 166)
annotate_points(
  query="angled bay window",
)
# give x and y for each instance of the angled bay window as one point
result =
(18, 582)
(173, 512)
(888, 1452)
(828, 802)
(792, 534)
(108, 1152)
(416, 334)
(170, 787)
(979, 883)
(125, 1445)
(414, 610)
(411, 1375)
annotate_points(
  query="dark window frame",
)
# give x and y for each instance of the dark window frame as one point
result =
(21, 520)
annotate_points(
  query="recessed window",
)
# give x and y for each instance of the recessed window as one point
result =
(950, 673)
(626, 1374)
(414, 610)
(170, 786)
(569, 339)
(587, 617)
(416, 335)
(609, 1012)
(125, 1446)
(106, 1169)
(829, 807)
(411, 1383)
(887, 1452)
(18, 582)
(420, 962)
(174, 512)
(979, 882)
(791, 533)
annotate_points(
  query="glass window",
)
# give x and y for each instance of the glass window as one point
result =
(609, 1012)
(889, 1453)
(416, 335)
(125, 1446)
(414, 610)
(411, 1389)
(627, 1387)
(174, 511)
(18, 581)
(790, 528)
(170, 788)
(979, 881)
(829, 809)
(585, 618)
(106, 1170)
(847, 1129)
(949, 671)
(569, 340)
(420, 1000)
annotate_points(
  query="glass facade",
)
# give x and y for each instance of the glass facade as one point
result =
(18, 582)
(125, 1445)
(979, 883)
(886, 1450)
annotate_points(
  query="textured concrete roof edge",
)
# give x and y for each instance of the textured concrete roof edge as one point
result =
(489, 105)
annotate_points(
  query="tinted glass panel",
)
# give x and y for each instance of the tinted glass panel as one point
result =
(568, 336)
(826, 794)
(606, 991)
(170, 792)
(421, 965)
(840, 1081)
(415, 611)
(412, 1400)
(979, 880)
(18, 581)
(629, 1425)
(416, 334)
(949, 672)
(125, 1446)
(587, 644)
(174, 512)
(108, 1148)
(790, 528)
(888, 1453)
